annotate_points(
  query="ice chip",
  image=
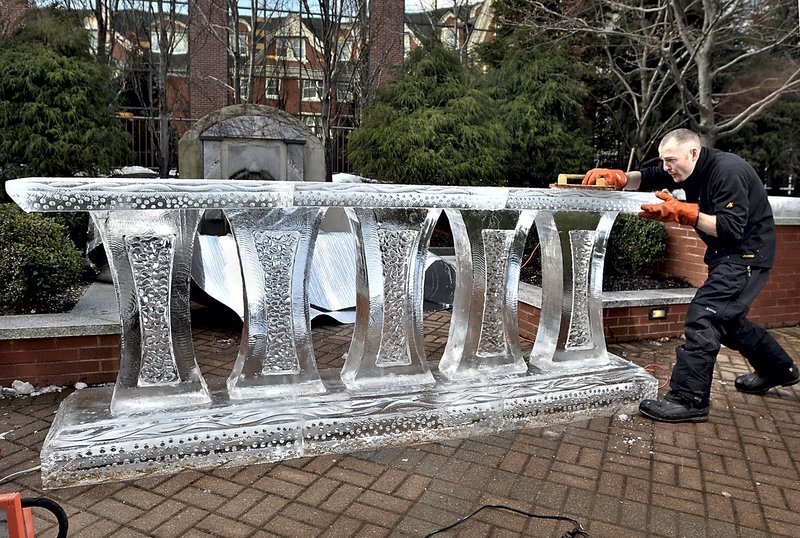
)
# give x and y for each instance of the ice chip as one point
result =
(22, 387)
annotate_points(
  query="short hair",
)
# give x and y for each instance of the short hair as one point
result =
(681, 136)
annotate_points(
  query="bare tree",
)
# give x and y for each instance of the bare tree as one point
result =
(754, 34)
(328, 63)
(155, 37)
(100, 20)
(335, 36)
(697, 50)
(451, 22)
(152, 34)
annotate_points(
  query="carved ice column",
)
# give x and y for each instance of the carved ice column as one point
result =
(276, 356)
(484, 330)
(573, 246)
(387, 349)
(149, 253)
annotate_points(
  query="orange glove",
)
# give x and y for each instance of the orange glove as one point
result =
(614, 178)
(671, 210)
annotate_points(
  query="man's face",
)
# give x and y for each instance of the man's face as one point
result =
(679, 159)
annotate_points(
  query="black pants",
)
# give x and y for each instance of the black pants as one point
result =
(718, 315)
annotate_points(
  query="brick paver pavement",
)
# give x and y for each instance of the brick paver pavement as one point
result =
(736, 475)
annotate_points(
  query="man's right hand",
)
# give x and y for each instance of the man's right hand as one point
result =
(614, 178)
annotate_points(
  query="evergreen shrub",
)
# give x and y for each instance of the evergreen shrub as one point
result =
(76, 225)
(38, 261)
(635, 245)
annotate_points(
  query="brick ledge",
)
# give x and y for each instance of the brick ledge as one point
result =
(532, 295)
(95, 314)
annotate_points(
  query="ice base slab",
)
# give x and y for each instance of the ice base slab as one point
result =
(87, 444)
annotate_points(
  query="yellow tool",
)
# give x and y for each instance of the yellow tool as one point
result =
(563, 182)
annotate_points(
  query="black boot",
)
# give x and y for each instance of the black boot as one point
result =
(673, 408)
(756, 383)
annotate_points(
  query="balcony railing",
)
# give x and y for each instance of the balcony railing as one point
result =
(162, 416)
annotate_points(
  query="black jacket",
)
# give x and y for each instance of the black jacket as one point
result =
(725, 185)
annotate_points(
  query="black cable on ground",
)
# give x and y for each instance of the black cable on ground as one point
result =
(575, 531)
(51, 506)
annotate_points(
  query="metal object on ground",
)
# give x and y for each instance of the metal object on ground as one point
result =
(18, 522)
(331, 280)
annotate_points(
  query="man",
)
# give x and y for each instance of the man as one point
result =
(728, 207)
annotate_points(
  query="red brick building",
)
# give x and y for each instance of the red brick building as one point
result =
(192, 60)
(10, 13)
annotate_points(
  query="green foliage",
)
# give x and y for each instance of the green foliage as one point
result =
(520, 124)
(76, 225)
(635, 245)
(431, 126)
(540, 98)
(56, 112)
(37, 260)
(60, 30)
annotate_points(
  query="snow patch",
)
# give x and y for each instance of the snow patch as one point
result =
(346, 178)
(134, 171)
(23, 388)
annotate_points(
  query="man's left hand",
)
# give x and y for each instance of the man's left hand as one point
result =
(672, 210)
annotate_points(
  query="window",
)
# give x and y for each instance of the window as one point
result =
(289, 47)
(272, 89)
(243, 42)
(343, 92)
(313, 122)
(94, 37)
(90, 24)
(177, 42)
(448, 36)
(345, 51)
(243, 87)
(312, 90)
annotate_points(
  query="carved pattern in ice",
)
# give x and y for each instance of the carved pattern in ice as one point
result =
(581, 244)
(276, 251)
(396, 248)
(151, 264)
(496, 246)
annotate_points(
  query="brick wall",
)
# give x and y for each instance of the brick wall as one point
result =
(628, 324)
(685, 253)
(386, 38)
(208, 57)
(59, 360)
(10, 13)
(778, 305)
(623, 324)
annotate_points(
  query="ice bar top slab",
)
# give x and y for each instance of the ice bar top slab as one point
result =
(101, 194)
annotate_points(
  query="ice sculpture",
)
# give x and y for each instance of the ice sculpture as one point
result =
(388, 344)
(162, 416)
(276, 355)
(149, 253)
(571, 322)
(484, 331)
